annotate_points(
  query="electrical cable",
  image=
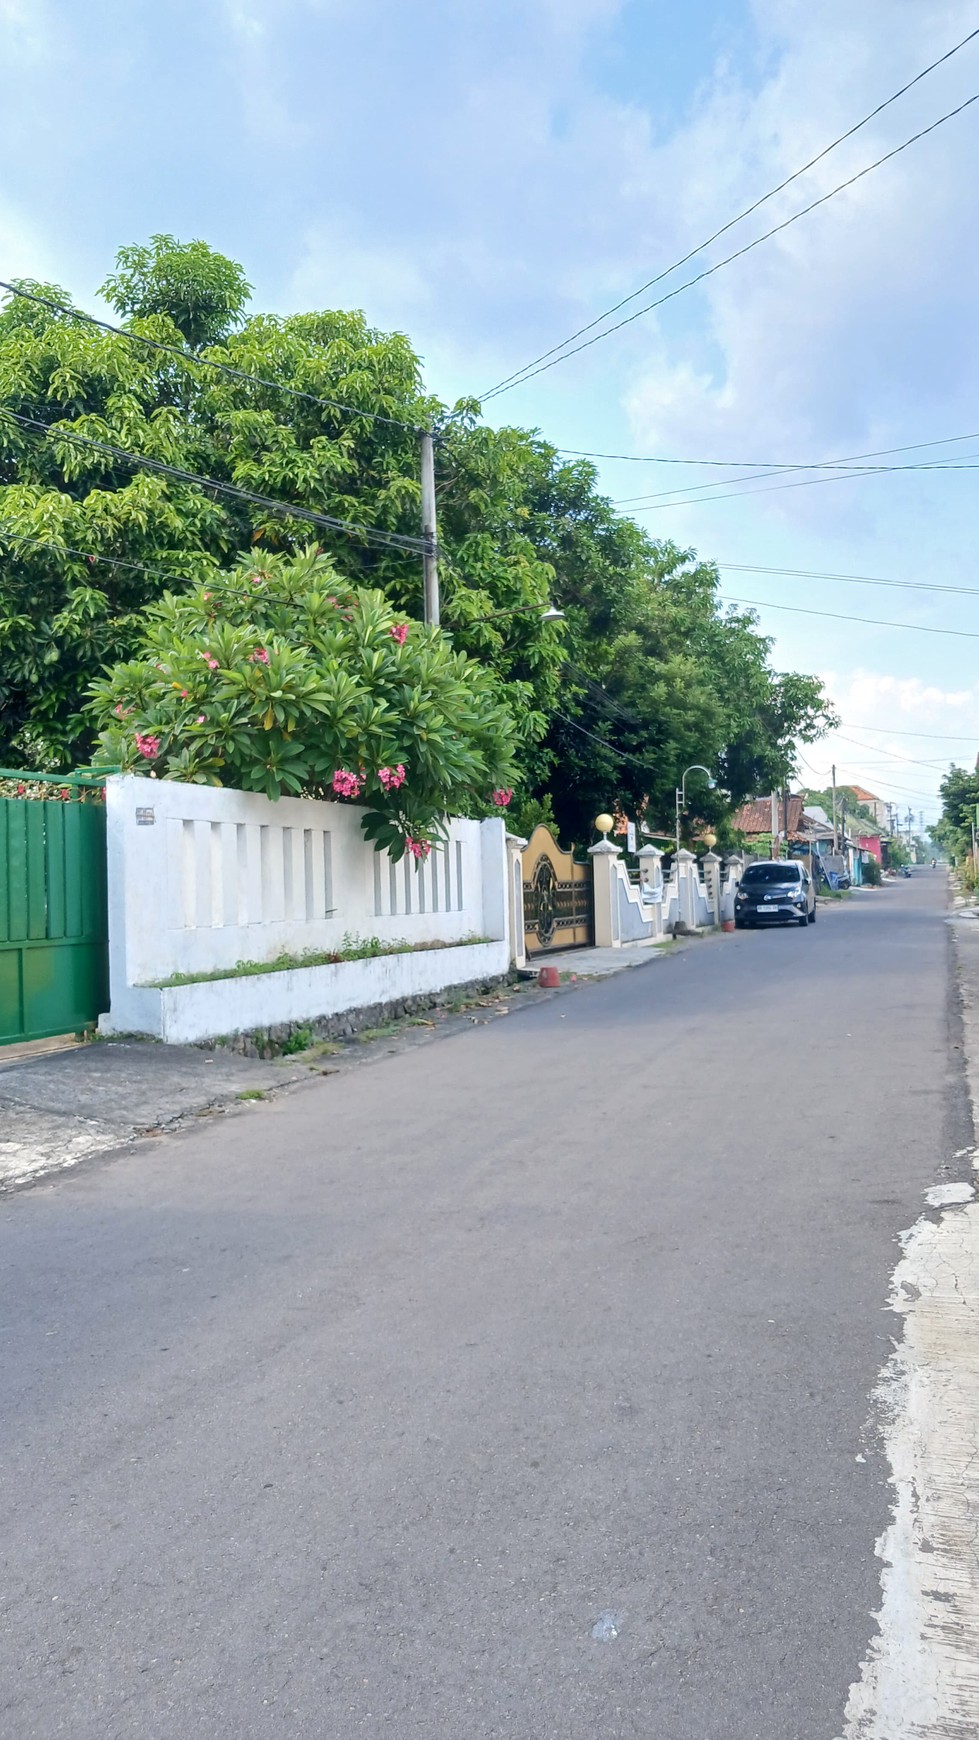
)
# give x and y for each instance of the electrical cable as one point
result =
(851, 579)
(620, 754)
(765, 197)
(801, 483)
(90, 556)
(871, 621)
(528, 374)
(372, 534)
(896, 731)
(775, 464)
(191, 356)
(842, 468)
(875, 749)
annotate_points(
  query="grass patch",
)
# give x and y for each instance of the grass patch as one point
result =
(252, 1094)
(351, 949)
(367, 1034)
(300, 1040)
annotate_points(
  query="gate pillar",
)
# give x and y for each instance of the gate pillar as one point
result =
(515, 911)
(603, 859)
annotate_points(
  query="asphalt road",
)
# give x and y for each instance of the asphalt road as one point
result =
(354, 1413)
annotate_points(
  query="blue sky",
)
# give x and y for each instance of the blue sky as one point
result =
(487, 175)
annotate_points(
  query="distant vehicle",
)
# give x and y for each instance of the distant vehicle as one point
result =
(905, 869)
(775, 892)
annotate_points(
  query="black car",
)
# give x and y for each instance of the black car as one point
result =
(775, 892)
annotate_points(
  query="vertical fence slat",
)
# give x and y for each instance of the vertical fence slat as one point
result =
(74, 875)
(5, 808)
(55, 866)
(37, 905)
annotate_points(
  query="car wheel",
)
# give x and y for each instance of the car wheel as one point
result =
(739, 924)
(804, 920)
(812, 916)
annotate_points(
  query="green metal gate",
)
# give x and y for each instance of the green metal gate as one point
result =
(54, 974)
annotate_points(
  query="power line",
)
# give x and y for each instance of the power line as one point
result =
(620, 754)
(91, 556)
(842, 467)
(775, 464)
(202, 361)
(851, 579)
(837, 616)
(801, 483)
(936, 736)
(523, 376)
(372, 534)
(765, 197)
(875, 749)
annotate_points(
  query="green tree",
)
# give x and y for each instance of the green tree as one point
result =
(960, 798)
(203, 293)
(649, 672)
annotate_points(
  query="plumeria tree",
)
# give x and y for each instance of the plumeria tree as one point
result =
(279, 676)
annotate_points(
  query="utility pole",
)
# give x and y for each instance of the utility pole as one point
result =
(430, 553)
(835, 845)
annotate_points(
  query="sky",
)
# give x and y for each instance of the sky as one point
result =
(488, 176)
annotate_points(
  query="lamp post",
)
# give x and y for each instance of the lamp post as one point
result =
(547, 613)
(681, 792)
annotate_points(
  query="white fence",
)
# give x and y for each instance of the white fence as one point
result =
(202, 878)
(628, 912)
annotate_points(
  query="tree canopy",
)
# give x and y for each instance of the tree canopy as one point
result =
(649, 671)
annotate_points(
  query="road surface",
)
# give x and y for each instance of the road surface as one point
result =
(516, 1387)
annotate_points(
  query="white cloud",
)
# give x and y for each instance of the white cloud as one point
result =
(897, 737)
(852, 323)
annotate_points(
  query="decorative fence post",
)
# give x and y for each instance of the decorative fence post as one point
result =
(733, 872)
(515, 844)
(685, 869)
(651, 885)
(603, 859)
(712, 877)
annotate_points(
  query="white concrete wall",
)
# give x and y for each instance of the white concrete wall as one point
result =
(201, 878)
(185, 1014)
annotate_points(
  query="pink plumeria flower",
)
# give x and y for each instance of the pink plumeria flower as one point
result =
(200, 718)
(399, 632)
(347, 784)
(260, 656)
(148, 746)
(210, 661)
(502, 796)
(391, 777)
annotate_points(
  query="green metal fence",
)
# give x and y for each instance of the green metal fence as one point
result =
(53, 919)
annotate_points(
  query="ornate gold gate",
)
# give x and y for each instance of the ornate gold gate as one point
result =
(557, 896)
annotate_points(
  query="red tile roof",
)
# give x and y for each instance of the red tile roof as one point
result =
(755, 817)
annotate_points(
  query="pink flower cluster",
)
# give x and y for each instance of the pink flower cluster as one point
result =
(260, 656)
(399, 632)
(347, 784)
(148, 746)
(391, 777)
(418, 848)
(210, 661)
(502, 796)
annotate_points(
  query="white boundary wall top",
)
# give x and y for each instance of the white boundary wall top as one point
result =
(202, 877)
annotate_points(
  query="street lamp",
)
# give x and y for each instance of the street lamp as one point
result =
(548, 613)
(681, 792)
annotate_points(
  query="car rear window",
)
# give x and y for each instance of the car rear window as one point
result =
(771, 873)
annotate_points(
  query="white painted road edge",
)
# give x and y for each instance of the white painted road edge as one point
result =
(920, 1677)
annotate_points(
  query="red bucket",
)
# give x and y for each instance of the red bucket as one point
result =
(549, 978)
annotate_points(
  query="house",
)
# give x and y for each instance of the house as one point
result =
(875, 805)
(809, 831)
